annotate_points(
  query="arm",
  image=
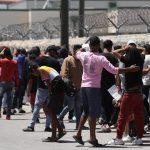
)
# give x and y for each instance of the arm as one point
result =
(132, 68)
(30, 83)
(48, 83)
(65, 69)
(146, 70)
(16, 75)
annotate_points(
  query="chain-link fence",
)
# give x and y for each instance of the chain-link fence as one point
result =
(102, 22)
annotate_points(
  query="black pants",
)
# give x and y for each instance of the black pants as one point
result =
(19, 94)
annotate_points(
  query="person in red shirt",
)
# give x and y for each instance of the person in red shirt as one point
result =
(8, 77)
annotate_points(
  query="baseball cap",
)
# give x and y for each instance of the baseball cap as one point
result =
(131, 42)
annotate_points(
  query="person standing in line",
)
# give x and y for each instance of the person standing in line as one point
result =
(7, 79)
(132, 99)
(146, 79)
(19, 94)
(72, 70)
(108, 79)
(93, 64)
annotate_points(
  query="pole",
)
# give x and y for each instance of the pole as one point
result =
(64, 19)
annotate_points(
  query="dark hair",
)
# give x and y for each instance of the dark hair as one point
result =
(108, 44)
(7, 53)
(147, 48)
(51, 48)
(35, 50)
(32, 56)
(63, 53)
(23, 51)
(94, 40)
(117, 47)
(77, 46)
(134, 57)
(33, 66)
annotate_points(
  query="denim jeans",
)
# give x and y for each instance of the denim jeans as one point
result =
(7, 88)
(42, 96)
(19, 94)
(75, 103)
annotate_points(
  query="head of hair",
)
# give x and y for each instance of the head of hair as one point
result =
(94, 40)
(51, 48)
(117, 47)
(35, 50)
(108, 44)
(76, 47)
(63, 52)
(2, 47)
(135, 57)
(147, 48)
(33, 66)
(23, 51)
(7, 53)
(94, 43)
(32, 56)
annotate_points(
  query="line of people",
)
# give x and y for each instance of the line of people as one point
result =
(60, 81)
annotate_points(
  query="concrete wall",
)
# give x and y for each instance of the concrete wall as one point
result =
(117, 39)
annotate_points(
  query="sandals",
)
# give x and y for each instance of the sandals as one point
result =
(61, 135)
(49, 139)
(95, 143)
(78, 139)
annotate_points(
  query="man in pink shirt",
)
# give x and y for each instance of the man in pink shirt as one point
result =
(93, 64)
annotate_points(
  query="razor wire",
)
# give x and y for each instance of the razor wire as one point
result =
(95, 23)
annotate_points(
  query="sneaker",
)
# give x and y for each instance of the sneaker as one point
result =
(101, 121)
(4, 111)
(48, 129)
(137, 141)
(13, 111)
(104, 130)
(128, 139)
(116, 142)
(28, 129)
(22, 111)
(147, 127)
(7, 117)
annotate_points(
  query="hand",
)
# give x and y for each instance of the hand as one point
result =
(148, 67)
(134, 68)
(16, 88)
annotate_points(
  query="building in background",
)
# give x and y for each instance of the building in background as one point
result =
(40, 19)
(74, 4)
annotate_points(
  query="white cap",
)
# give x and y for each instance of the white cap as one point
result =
(86, 47)
(131, 42)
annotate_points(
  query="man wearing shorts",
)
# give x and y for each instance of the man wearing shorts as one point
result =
(93, 64)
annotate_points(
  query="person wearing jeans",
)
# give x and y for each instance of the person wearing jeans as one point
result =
(42, 96)
(8, 76)
(71, 70)
(73, 102)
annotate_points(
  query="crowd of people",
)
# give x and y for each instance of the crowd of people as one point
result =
(76, 82)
